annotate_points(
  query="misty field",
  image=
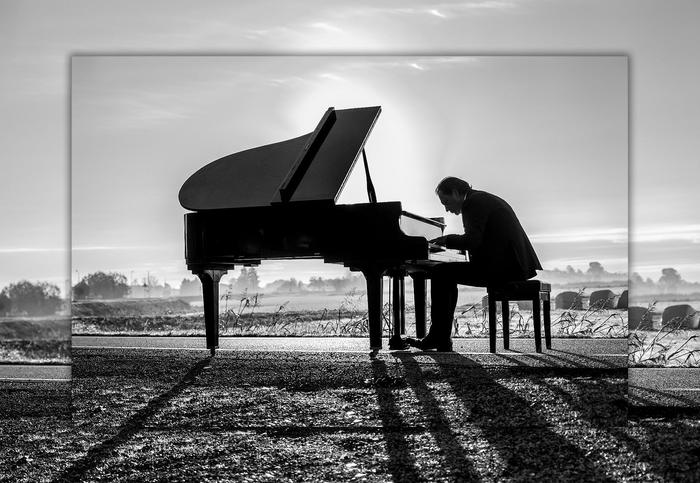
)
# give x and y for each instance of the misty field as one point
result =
(319, 315)
(35, 339)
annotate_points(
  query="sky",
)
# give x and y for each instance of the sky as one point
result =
(548, 134)
(38, 38)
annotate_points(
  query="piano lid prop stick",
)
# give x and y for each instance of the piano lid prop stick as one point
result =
(370, 187)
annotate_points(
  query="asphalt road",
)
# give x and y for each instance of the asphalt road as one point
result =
(590, 347)
(35, 372)
(671, 387)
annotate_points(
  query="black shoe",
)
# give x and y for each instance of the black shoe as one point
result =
(398, 344)
(429, 344)
(413, 342)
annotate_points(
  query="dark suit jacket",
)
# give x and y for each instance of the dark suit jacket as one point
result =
(494, 238)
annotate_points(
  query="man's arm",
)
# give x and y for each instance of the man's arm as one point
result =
(474, 227)
(441, 240)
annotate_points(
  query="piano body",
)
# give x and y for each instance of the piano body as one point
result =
(278, 201)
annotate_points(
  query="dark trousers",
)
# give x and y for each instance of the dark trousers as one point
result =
(443, 292)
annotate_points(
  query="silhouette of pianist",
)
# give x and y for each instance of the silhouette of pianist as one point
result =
(499, 251)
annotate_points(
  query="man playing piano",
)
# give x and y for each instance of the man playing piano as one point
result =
(499, 251)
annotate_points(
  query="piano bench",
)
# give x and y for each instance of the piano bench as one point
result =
(532, 290)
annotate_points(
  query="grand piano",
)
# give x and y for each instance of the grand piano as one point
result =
(278, 201)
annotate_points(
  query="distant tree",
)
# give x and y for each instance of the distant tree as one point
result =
(339, 284)
(149, 281)
(317, 284)
(81, 290)
(241, 282)
(595, 270)
(5, 304)
(247, 281)
(670, 279)
(190, 287)
(291, 285)
(30, 298)
(636, 280)
(103, 285)
(253, 282)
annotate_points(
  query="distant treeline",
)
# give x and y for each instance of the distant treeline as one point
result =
(248, 282)
(43, 298)
(29, 298)
(595, 273)
(670, 282)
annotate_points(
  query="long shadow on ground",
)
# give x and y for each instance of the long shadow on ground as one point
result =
(517, 431)
(129, 428)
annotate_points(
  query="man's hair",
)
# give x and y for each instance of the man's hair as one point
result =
(450, 184)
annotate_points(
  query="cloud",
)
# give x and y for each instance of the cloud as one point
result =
(328, 75)
(31, 250)
(115, 248)
(326, 27)
(664, 233)
(440, 10)
(612, 235)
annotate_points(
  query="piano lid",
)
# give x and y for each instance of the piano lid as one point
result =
(319, 164)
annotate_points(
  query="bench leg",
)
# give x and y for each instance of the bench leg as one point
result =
(547, 324)
(536, 324)
(492, 324)
(505, 310)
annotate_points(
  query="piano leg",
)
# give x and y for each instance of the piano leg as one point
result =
(398, 310)
(375, 292)
(210, 290)
(402, 286)
(419, 288)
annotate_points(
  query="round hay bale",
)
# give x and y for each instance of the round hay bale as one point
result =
(639, 318)
(485, 304)
(602, 299)
(525, 305)
(683, 314)
(568, 301)
(623, 301)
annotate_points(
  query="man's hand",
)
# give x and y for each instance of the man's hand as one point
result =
(441, 240)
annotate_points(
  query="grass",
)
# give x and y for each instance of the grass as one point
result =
(35, 339)
(244, 316)
(596, 321)
(669, 346)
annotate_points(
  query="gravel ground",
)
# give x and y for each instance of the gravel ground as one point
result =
(177, 416)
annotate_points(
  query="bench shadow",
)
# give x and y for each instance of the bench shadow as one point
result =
(647, 406)
(612, 365)
(650, 446)
(510, 424)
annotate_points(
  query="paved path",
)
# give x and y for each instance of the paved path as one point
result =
(35, 372)
(672, 387)
(591, 347)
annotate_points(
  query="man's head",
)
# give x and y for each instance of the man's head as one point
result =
(452, 192)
